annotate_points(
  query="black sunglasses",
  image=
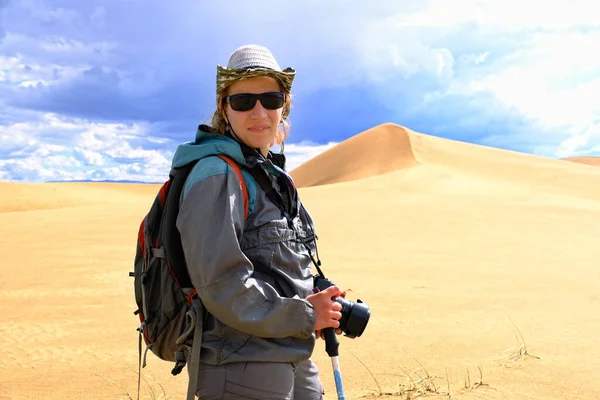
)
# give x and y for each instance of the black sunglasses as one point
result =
(247, 101)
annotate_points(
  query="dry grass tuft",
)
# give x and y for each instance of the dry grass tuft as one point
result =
(476, 384)
(153, 389)
(521, 350)
(417, 383)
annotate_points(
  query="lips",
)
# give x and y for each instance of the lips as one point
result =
(259, 128)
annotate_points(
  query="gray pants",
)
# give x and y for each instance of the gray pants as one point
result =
(260, 380)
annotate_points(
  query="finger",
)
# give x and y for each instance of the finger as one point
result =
(338, 331)
(333, 291)
(336, 306)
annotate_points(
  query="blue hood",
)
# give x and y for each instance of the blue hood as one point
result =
(207, 144)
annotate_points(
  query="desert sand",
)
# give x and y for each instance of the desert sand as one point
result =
(480, 266)
(585, 160)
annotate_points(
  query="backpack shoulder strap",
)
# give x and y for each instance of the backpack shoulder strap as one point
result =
(170, 238)
(170, 235)
(238, 172)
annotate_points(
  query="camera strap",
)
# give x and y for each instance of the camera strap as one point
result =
(317, 262)
(265, 183)
(285, 199)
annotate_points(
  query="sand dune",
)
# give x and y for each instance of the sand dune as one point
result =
(376, 151)
(32, 196)
(44, 196)
(452, 245)
(585, 160)
(391, 147)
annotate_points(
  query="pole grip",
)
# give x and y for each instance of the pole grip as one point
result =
(331, 342)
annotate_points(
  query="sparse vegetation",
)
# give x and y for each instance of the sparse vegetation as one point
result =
(419, 383)
(152, 392)
(478, 383)
(521, 350)
(125, 395)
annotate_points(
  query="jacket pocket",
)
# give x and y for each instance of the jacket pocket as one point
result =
(260, 246)
(232, 341)
(270, 233)
(260, 380)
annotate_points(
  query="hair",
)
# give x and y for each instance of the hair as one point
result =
(218, 123)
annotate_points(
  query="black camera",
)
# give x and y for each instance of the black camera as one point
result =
(355, 316)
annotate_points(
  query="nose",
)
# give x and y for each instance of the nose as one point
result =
(258, 112)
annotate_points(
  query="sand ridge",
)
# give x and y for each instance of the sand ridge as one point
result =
(376, 151)
(467, 256)
(390, 147)
(590, 160)
(22, 197)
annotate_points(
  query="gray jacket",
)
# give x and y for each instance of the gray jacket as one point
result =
(252, 277)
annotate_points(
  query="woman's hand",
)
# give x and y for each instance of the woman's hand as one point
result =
(327, 309)
(319, 332)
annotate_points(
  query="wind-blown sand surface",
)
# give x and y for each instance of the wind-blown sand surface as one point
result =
(585, 160)
(452, 245)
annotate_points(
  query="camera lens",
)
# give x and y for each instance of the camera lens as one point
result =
(355, 317)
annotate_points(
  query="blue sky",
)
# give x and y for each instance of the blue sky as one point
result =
(108, 89)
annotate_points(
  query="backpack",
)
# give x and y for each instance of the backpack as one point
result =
(168, 306)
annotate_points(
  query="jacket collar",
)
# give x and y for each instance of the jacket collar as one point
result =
(254, 156)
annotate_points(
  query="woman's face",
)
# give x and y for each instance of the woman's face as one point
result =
(256, 127)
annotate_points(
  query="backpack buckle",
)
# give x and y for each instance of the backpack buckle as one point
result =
(179, 363)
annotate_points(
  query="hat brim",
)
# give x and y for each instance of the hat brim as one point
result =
(227, 76)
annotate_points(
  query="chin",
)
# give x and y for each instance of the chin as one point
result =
(262, 141)
(263, 145)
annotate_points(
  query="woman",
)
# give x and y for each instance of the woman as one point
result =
(253, 275)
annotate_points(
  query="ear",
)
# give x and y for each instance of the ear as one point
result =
(223, 113)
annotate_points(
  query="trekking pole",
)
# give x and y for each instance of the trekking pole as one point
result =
(331, 347)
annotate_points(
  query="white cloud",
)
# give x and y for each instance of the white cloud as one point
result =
(58, 148)
(383, 60)
(158, 140)
(584, 143)
(547, 68)
(36, 168)
(14, 71)
(474, 58)
(552, 80)
(299, 153)
(540, 61)
(89, 157)
(105, 136)
(97, 151)
(58, 49)
(14, 138)
(61, 161)
(42, 13)
(37, 149)
(153, 157)
(26, 72)
(506, 14)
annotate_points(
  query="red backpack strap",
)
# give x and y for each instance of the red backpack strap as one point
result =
(238, 172)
